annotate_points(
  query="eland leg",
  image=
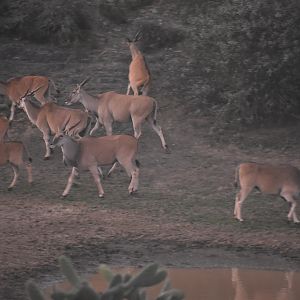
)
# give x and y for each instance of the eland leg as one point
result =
(46, 138)
(146, 88)
(95, 173)
(29, 172)
(12, 111)
(16, 175)
(96, 126)
(112, 169)
(133, 171)
(292, 213)
(70, 182)
(134, 183)
(128, 89)
(137, 127)
(159, 132)
(240, 198)
(108, 127)
(135, 89)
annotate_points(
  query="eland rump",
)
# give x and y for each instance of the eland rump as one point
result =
(90, 153)
(282, 180)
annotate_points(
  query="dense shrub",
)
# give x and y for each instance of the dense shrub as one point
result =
(62, 22)
(155, 37)
(248, 55)
(46, 21)
(117, 11)
(242, 57)
(120, 286)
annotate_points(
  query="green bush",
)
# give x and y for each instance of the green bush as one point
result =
(117, 11)
(62, 22)
(120, 286)
(247, 54)
(46, 21)
(155, 37)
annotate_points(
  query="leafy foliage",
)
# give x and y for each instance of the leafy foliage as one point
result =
(46, 21)
(62, 22)
(242, 57)
(248, 54)
(117, 11)
(120, 286)
(155, 37)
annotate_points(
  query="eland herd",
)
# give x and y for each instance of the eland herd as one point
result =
(72, 131)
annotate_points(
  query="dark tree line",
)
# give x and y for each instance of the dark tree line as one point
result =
(245, 55)
(248, 54)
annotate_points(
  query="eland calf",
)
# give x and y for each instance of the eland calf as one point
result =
(282, 180)
(16, 87)
(111, 106)
(15, 154)
(90, 153)
(139, 73)
(51, 118)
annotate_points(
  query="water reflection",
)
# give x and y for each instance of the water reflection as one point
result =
(259, 285)
(221, 284)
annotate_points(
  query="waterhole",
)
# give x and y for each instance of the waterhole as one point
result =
(217, 284)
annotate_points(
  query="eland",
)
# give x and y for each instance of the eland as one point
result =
(90, 153)
(281, 180)
(51, 118)
(15, 88)
(139, 73)
(15, 154)
(113, 107)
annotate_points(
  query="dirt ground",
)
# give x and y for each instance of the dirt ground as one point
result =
(183, 212)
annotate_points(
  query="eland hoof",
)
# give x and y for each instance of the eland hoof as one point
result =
(167, 150)
(101, 195)
(46, 157)
(132, 192)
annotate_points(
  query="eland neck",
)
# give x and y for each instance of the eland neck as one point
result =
(70, 149)
(89, 102)
(32, 111)
(68, 141)
(134, 50)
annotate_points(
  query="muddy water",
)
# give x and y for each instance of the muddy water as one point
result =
(221, 284)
